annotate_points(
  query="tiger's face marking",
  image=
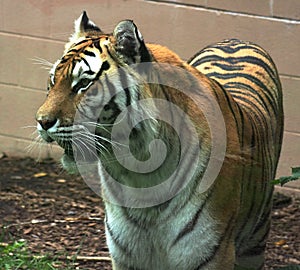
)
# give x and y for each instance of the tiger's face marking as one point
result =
(90, 56)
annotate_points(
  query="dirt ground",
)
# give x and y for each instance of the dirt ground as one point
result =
(57, 214)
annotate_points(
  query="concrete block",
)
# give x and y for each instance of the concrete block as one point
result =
(290, 154)
(106, 14)
(291, 101)
(9, 55)
(26, 17)
(256, 7)
(18, 64)
(17, 110)
(286, 9)
(32, 74)
(200, 3)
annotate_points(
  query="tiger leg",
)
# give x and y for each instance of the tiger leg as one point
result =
(252, 259)
(253, 256)
(254, 262)
(115, 266)
(223, 259)
(226, 258)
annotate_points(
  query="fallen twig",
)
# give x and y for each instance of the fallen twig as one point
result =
(74, 258)
(66, 220)
(89, 258)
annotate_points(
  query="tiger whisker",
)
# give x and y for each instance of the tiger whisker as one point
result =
(101, 125)
(36, 143)
(113, 143)
(88, 138)
(29, 126)
(79, 148)
(42, 61)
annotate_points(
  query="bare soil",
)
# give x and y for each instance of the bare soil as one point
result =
(57, 214)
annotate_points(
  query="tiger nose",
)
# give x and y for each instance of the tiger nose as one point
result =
(46, 122)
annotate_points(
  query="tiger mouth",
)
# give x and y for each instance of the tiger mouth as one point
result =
(64, 142)
(77, 142)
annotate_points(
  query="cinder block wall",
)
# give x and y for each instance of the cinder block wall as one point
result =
(31, 29)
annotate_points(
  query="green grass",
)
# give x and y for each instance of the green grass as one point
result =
(16, 256)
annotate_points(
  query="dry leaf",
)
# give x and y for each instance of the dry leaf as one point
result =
(27, 231)
(71, 219)
(40, 174)
(280, 242)
(61, 181)
(16, 177)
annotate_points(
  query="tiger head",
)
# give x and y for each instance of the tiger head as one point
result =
(90, 62)
(104, 71)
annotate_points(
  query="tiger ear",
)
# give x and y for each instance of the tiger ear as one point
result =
(130, 43)
(83, 26)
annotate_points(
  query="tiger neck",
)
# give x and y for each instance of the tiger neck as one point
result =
(147, 158)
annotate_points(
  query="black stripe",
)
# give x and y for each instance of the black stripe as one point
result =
(228, 49)
(230, 105)
(225, 46)
(241, 129)
(217, 246)
(135, 221)
(89, 72)
(128, 97)
(238, 60)
(116, 240)
(81, 42)
(125, 86)
(254, 108)
(249, 183)
(64, 59)
(89, 53)
(228, 67)
(259, 83)
(98, 46)
(105, 66)
(74, 50)
(189, 227)
(248, 188)
(265, 216)
(86, 62)
(108, 51)
(242, 98)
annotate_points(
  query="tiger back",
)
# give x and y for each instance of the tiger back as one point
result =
(248, 73)
(125, 88)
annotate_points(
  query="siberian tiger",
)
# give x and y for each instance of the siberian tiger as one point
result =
(225, 224)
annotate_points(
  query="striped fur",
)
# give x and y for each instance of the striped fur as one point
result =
(226, 226)
(249, 75)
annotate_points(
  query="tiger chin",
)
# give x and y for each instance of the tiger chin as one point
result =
(123, 91)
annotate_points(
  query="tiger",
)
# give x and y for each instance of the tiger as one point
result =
(222, 226)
